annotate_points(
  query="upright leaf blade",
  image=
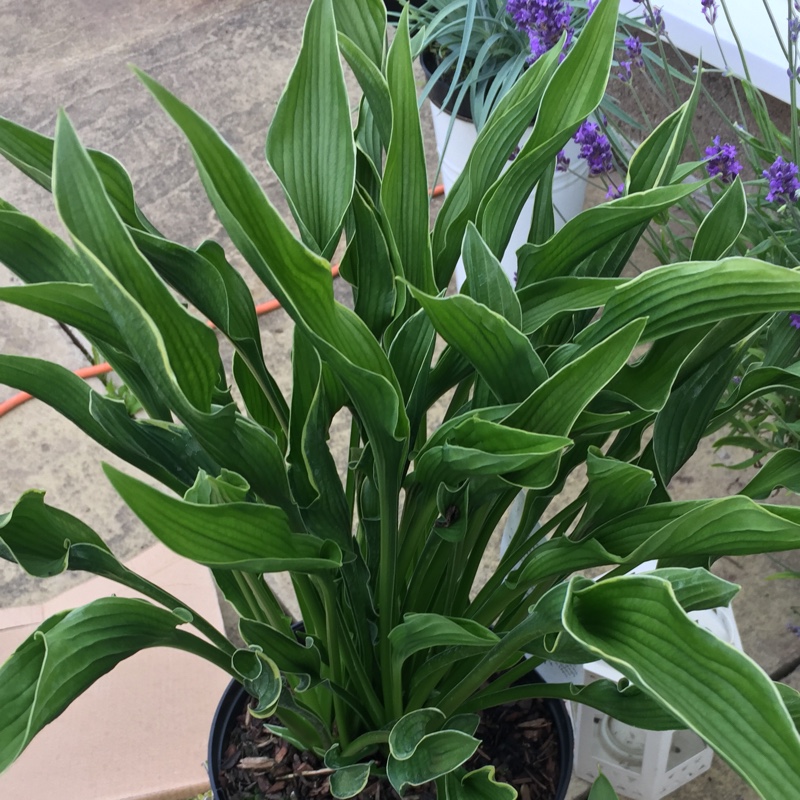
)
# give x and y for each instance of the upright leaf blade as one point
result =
(88, 214)
(721, 227)
(573, 93)
(404, 192)
(310, 142)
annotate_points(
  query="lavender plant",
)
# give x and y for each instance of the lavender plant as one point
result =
(750, 146)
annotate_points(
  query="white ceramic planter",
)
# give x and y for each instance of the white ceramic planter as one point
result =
(569, 188)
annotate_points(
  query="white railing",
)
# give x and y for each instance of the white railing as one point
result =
(688, 29)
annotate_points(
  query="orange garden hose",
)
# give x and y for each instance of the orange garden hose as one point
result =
(101, 369)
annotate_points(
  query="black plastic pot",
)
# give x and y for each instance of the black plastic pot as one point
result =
(439, 91)
(393, 6)
(235, 698)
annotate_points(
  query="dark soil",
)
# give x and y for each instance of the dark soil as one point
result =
(519, 739)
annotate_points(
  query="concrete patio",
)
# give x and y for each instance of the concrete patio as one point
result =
(229, 59)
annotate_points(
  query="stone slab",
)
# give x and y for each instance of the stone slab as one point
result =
(141, 731)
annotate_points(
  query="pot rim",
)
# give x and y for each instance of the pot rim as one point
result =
(439, 90)
(233, 698)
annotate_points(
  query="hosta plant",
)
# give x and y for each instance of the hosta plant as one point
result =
(578, 371)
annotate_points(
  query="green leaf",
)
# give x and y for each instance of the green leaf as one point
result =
(74, 304)
(411, 728)
(473, 446)
(227, 487)
(70, 651)
(373, 84)
(682, 421)
(546, 300)
(261, 677)
(367, 265)
(629, 704)
(595, 227)
(655, 161)
(602, 790)
(45, 541)
(165, 451)
(487, 158)
(39, 537)
(209, 282)
(782, 469)
(682, 296)
(435, 755)
(347, 782)
(285, 651)
(648, 382)
(410, 355)
(423, 631)
(35, 254)
(245, 536)
(86, 211)
(613, 488)
(500, 353)
(722, 225)
(543, 223)
(486, 282)
(313, 473)
(556, 404)
(726, 526)
(365, 24)
(791, 699)
(479, 784)
(575, 90)
(404, 192)
(301, 281)
(635, 624)
(310, 142)
(32, 153)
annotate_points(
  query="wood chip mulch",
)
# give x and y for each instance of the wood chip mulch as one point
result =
(518, 739)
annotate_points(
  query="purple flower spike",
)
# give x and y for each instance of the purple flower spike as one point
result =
(591, 5)
(634, 48)
(544, 21)
(709, 10)
(783, 183)
(655, 21)
(615, 191)
(794, 320)
(562, 162)
(722, 161)
(595, 147)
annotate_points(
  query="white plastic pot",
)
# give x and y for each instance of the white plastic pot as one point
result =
(569, 188)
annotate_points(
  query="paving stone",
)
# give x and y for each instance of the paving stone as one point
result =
(793, 680)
